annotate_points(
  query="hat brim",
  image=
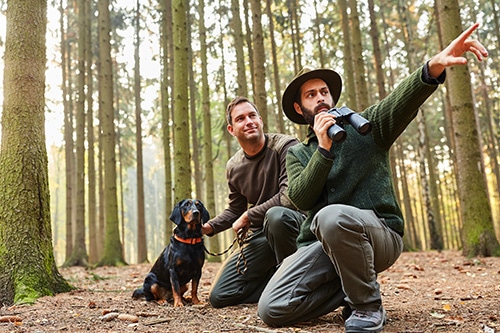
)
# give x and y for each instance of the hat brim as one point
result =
(331, 78)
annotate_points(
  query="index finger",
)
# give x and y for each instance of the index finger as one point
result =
(466, 34)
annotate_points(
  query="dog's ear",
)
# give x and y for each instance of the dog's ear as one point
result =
(176, 215)
(205, 215)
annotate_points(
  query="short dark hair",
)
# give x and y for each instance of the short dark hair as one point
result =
(233, 103)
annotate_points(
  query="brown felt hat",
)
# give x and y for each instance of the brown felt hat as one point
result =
(331, 78)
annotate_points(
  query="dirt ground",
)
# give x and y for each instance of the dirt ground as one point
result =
(422, 292)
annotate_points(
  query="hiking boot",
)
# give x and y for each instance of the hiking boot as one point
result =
(365, 321)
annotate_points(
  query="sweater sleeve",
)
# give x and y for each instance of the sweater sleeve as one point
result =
(391, 115)
(300, 192)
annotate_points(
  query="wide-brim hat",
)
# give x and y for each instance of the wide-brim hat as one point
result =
(331, 78)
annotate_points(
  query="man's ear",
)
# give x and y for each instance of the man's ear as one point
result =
(230, 129)
(297, 108)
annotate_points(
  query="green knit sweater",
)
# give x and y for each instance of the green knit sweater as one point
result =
(359, 173)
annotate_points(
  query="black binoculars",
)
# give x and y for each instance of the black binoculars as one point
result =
(345, 115)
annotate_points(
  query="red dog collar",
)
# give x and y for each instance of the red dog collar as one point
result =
(188, 240)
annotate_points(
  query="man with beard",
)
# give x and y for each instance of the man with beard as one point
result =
(354, 226)
(256, 178)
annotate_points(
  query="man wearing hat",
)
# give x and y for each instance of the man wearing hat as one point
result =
(354, 226)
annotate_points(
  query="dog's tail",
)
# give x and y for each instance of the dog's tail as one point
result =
(138, 293)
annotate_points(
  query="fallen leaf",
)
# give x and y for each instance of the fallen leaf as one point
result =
(438, 315)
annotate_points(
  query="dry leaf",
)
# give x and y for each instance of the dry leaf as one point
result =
(437, 315)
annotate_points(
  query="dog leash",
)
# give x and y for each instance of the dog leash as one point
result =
(241, 256)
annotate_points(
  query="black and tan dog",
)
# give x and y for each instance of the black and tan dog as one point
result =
(182, 260)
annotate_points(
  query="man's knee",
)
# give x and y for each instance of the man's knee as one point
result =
(269, 315)
(279, 219)
(273, 219)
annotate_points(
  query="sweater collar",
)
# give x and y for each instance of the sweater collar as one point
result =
(310, 136)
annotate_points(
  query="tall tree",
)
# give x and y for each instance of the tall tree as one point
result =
(182, 164)
(478, 236)
(195, 122)
(276, 73)
(259, 60)
(79, 254)
(350, 91)
(113, 252)
(294, 19)
(94, 235)
(24, 195)
(236, 27)
(68, 127)
(377, 53)
(207, 122)
(142, 249)
(358, 61)
(166, 80)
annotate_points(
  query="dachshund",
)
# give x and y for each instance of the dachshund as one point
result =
(181, 261)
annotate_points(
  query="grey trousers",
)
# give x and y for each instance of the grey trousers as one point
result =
(281, 226)
(353, 246)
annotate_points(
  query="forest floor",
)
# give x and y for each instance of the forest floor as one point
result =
(422, 292)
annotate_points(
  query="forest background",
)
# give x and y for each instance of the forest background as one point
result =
(168, 96)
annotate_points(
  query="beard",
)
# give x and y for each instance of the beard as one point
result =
(309, 114)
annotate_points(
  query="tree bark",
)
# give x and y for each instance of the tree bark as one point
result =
(25, 226)
(478, 236)
(142, 249)
(182, 164)
(259, 60)
(113, 251)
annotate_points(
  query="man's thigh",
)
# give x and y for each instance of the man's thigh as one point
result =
(305, 286)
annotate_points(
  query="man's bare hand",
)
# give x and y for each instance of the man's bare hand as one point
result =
(453, 53)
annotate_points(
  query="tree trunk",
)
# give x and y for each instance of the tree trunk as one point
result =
(207, 124)
(182, 164)
(248, 39)
(377, 53)
(478, 236)
(24, 195)
(166, 84)
(239, 41)
(68, 132)
(92, 206)
(79, 255)
(280, 124)
(259, 60)
(357, 59)
(142, 248)
(194, 99)
(349, 89)
(113, 252)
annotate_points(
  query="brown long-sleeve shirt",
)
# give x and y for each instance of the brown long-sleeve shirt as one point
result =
(255, 183)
